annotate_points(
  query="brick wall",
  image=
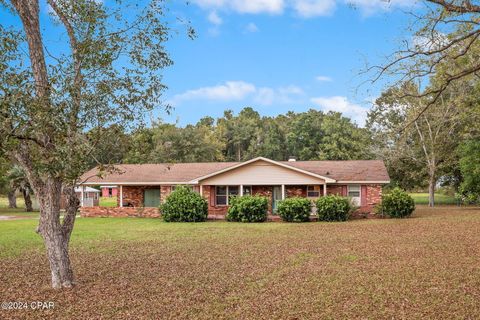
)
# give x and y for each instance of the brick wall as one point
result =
(133, 195)
(119, 212)
(209, 195)
(295, 191)
(374, 196)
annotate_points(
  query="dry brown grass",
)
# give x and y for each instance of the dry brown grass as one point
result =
(427, 266)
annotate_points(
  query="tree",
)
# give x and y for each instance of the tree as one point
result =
(470, 168)
(19, 182)
(5, 186)
(446, 34)
(427, 143)
(108, 73)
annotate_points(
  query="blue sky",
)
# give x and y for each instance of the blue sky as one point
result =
(279, 55)
(275, 55)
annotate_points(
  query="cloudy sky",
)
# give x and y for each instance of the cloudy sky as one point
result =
(281, 55)
(275, 55)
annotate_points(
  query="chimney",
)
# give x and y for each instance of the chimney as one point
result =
(292, 159)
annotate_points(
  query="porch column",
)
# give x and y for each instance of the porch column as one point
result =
(121, 196)
(324, 189)
(283, 192)
(82, 190)
(241, 190)
(201, 190)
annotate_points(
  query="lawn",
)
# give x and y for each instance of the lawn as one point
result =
(422, 198)
(108, 201)
(427, 266)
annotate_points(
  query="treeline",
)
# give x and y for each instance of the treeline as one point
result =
(311, 135)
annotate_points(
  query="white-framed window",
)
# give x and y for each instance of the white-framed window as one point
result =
(354, 194)
(224, 193)
(313, 191)
(354, 191)
(247, 190)
(221, 198)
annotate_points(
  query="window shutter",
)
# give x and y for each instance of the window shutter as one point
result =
(363, 194)
(344, 191)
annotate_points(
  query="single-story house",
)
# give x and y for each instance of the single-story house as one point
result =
(145, 186)
(109, 191)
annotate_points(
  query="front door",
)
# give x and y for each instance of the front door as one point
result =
(276, 198)
(151, 198)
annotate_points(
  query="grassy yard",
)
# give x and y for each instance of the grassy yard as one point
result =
(427, 266)
(422, 198)
(108, 201)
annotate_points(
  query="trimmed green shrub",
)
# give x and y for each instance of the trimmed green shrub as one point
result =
(397, 204)
(247, 209)
(295, 209)
(333, 208)
(184, 205)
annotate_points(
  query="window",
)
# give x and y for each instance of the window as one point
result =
(313, 191)
(354, 191)
(232, 191)
(247, 190)
(221, 195)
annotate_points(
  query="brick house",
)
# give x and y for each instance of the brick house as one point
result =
(142, 187)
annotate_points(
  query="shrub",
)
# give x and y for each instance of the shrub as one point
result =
(397, 204)
(184, 205)
(247, 209)
(295, 209)
(333, 208)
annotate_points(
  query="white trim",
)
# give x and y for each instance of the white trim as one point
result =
(241, 190)
(363, 182)
(121, 196)
(326, 179)
(283, 192)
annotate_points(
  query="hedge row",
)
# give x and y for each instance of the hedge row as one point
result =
(185, 205)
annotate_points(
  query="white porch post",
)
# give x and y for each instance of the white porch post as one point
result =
(241, 190)
(324, 189)
(82, 190)
(201, 190)
(283, 192)
(121, 196)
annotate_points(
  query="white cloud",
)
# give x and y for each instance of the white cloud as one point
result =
(240, 90)
(214, 18)
(243, 6)
(341, 104)
(314, 8)
(323, 79)
(229, 91)
(251, 27)
(303, 8)
(369, 7)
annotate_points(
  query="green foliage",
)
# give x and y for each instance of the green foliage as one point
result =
(184, 205)
(469, 189)
(333, 208)
(397, 204)
(247, 209)
(295, 209)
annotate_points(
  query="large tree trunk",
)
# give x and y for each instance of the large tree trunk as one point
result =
(55, 234)
(28, 200)
(12, 199)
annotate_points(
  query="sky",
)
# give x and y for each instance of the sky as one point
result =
(276, 55)
(281, 55)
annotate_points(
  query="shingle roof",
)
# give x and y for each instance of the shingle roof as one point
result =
(351, 170)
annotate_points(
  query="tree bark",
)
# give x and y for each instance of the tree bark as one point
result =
(55, 236)
(28, 200)
(431, 191)
(12, 199)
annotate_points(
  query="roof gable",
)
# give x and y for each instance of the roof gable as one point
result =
(272, 162)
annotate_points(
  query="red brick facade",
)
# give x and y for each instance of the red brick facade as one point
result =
(133, 200)
(119, 212)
